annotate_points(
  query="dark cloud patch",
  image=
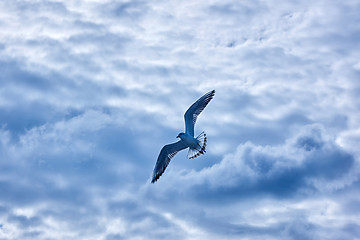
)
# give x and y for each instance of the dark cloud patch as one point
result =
(352, 230)
(40, 189)
(115, 237)
(18, 194)
(305, 165)
(331, 165)
(22, 118)
(294, 118)
(236, 10)
(23, 221)
(133, 10)
(129, 9)
(280, 175)
(31, 235)
(309, 143)
(3, 210)
(352, 206)
(22, 112)
(13, 75)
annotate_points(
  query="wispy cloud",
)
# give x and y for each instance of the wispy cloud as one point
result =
(91, 91)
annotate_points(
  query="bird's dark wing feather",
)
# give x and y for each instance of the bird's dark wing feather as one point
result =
(166, 154)
(194, 110)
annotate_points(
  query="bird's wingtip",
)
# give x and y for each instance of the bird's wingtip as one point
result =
(154, 179)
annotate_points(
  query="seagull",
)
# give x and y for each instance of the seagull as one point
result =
(187, 140)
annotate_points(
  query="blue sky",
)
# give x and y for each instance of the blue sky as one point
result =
(91, 91)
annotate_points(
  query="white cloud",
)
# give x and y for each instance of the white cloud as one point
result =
(268, 190)
(91, 90)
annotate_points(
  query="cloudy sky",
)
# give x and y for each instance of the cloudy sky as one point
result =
(91, 90)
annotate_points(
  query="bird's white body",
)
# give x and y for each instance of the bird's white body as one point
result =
(187, 140)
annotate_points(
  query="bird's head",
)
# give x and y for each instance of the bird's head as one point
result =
(180, 135)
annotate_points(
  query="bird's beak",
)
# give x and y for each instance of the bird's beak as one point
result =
(177, 136)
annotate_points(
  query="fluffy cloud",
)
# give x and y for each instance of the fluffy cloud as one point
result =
(91, 91)
(307, 163)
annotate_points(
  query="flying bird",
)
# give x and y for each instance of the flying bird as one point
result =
(187, 140)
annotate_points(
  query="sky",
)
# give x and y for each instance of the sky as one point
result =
(90, 91)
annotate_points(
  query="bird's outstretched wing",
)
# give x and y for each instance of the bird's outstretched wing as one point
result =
(166, 154)
(194, 110)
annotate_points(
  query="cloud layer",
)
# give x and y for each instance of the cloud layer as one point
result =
(91, 91)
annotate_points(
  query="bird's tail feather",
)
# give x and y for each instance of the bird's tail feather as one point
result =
(195, 152)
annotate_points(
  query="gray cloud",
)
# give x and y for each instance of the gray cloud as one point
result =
(308, 166)
(310, 161)
(90, 92)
